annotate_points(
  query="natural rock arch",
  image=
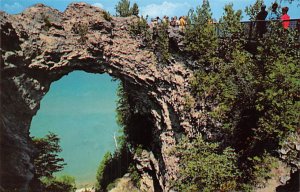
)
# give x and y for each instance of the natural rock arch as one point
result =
(41, 45)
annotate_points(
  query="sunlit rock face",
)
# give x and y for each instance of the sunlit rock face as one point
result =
(41, 45)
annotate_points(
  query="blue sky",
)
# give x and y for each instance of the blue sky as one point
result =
(148, 7)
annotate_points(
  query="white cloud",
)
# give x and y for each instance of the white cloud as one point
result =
(13, 8)
(166, 8)
(98, 5)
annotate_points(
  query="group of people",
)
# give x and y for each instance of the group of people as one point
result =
(261, 24)
(174, 22)
(261, 20)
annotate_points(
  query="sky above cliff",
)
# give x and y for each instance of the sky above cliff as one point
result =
(152, 8)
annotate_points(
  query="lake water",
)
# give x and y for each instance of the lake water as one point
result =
(80, 109)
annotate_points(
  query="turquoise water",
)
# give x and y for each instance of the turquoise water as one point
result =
(80, 109)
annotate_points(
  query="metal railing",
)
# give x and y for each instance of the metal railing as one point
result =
(250, 29)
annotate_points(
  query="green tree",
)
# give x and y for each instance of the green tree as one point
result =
(47, 161)
(162, 44)
(231, 32)
(254, 9)
(227, 90)
(201, 39)
(205, 167)
(101, 182)
(115, 165)
(123, 108)
(252, 99)
(123, 8)
(135, 9)
(63, 183)
(278, 99)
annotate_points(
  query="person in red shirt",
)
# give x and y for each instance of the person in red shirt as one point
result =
(285, 18)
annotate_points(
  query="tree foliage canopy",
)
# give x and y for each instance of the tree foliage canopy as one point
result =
(201, 38)
(250, 96)
(63, 183)
(135, 9)
(205, 167)
(47, 160)
(123, 9)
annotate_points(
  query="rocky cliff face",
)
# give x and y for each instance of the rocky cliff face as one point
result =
(41, 45)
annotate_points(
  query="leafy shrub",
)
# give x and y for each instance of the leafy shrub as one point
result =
(81, 29)
(47, 23)
(231, 37)
(134, 175)
(189, 102)
(113, 167)
(162, 44)
(261, 170)
(101, 170)
(254, 9)
(140, 27)
(205, 167)
(59, 184)
(107, 16)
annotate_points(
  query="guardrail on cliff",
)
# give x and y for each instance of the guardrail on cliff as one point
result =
(250, 30)
(250, 26)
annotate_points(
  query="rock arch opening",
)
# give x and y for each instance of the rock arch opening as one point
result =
(80, 109)
(40, 57)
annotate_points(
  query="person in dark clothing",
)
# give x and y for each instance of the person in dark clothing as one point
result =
(261, 25)
(274, 15)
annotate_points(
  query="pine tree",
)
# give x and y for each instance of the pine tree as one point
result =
(123, 8)
(47, 161)
(231, 32)
(162, 44)
(135, 9)
(201, 38)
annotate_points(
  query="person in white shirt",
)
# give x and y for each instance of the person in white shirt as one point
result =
(274, 15)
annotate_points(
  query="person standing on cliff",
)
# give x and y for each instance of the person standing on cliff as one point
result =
(182, 24)
(274, 15)
(285, 18)
(261, 27)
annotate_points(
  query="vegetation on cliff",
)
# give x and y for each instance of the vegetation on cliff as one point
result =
(251, 99)
(205, 167)
(249, 92)
(114, 166)
(47, 162)
(123, 9)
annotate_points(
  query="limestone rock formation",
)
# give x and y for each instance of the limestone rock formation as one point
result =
(41, 45)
